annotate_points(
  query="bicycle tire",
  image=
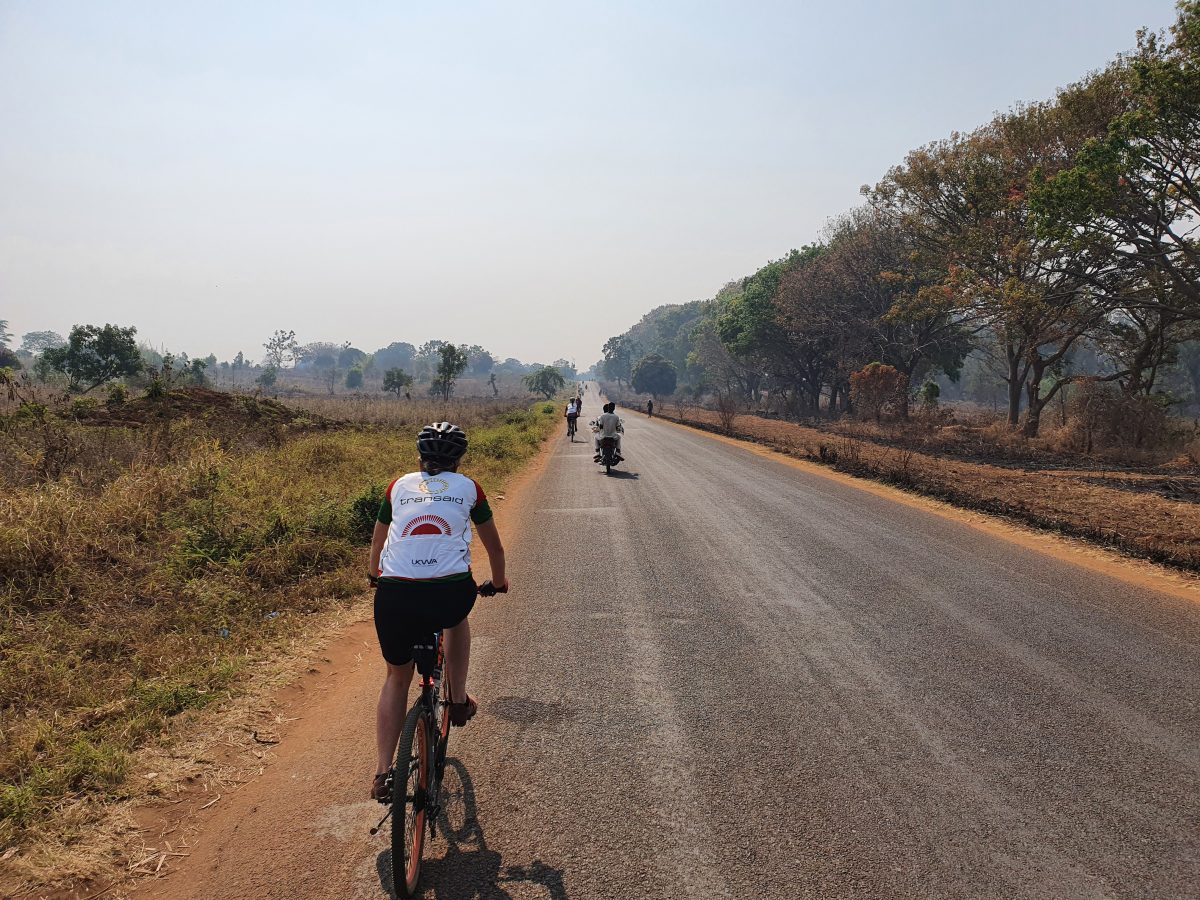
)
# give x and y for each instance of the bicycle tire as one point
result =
(410, 787)
(443, 740)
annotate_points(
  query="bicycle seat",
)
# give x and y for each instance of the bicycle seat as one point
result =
(425, 653)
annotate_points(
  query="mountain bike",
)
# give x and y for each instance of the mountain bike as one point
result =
(415, 781)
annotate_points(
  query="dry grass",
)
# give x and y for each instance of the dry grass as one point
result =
(1153, 514)
(384, 409)
(142, 593)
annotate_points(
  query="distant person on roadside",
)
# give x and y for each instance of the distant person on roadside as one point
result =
(609, 424)
(650, 409)
(421, 569)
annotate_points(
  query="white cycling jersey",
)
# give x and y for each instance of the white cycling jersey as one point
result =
(429, 525)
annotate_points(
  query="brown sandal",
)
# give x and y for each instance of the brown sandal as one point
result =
(462, 713)
(381, 787)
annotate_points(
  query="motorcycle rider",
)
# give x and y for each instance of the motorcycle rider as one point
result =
(609, 425)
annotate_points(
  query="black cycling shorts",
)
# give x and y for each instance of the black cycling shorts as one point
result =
(407, 611)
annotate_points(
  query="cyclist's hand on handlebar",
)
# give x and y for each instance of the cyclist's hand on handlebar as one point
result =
(488, 589)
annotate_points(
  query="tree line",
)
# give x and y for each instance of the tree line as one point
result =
(1055, 246)
(93, 355)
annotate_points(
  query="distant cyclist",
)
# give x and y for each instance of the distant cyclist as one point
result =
(573, 407)
(421, 566)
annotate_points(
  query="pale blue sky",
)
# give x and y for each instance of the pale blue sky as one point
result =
(530, 176)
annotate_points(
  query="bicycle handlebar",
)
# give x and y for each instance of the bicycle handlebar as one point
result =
(487, 589)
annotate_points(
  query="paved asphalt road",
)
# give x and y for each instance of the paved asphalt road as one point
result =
(721, 676)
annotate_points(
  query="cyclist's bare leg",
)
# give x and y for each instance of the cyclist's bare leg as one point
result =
(458, 658)
(389, 716)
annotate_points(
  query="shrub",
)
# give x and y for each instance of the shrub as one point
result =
(1192, 451)
(729, 404)
(875, 386)
(157, 389)
(83, 406)
(118, 395)
(1101, 415)
(364, 509)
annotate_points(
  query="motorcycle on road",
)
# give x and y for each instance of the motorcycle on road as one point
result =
(608, 454)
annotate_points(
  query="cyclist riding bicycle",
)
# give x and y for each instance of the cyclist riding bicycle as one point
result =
(572, 413)
(421, 569)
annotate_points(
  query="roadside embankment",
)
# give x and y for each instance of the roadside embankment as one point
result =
(1154, 516)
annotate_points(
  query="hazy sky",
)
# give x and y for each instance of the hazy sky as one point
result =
(530, 176)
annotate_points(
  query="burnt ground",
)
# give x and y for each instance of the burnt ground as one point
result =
(200, 405)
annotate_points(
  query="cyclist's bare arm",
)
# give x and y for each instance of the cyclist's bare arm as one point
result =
(378, 539)
(490, 535)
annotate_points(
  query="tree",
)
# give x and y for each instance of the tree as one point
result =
(546, 381)
(281, 349)
(394, 356)
(95, 355)
(452, 362)
(748, 324)
(966, 202)
(354, 378)
(618, 358)
(1133, 194)
(654, 375)
(40, 341)
(866, 297)
(479, 361)
(8, 359)
(193, 372)
(349, 357)
(268, 377)
(322, 357)
(396, 381)
(239, 363)
(1131, 202)
(874, 386)
(492, 383)
(318, 355)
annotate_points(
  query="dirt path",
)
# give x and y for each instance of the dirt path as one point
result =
(723, 676)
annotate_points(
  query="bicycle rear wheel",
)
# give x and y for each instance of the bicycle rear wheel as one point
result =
(410, 799)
